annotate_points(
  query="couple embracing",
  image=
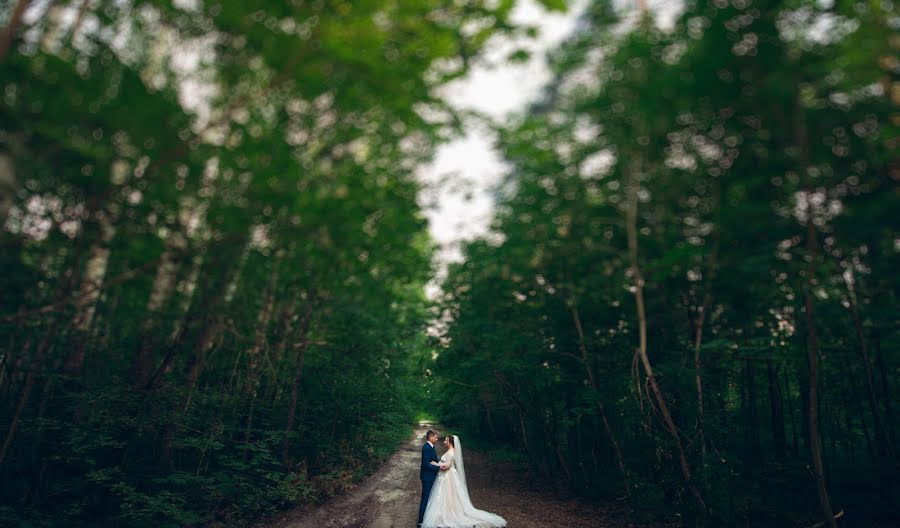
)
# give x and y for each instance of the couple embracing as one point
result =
(445, 496)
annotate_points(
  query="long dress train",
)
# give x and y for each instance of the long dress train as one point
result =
(449, 505)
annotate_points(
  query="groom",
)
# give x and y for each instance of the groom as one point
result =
(429, 470)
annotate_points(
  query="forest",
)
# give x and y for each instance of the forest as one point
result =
(215, 256)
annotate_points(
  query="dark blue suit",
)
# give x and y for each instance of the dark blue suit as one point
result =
(427, 473)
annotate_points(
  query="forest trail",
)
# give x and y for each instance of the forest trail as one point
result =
(389, 498)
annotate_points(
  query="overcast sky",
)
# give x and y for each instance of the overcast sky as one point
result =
(459, 183)
(465, 170)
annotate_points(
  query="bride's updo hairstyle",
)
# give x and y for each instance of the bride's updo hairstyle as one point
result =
(450, 439)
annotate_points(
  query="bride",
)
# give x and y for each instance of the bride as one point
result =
(449, 505)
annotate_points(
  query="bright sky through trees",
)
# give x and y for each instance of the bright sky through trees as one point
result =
(218, 220)
(458, 197)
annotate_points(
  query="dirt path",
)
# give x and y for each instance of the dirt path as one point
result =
(390, 498)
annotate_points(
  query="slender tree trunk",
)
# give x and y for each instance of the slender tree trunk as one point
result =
(848, 436)
(523, 430)
(8, 185)
(79, 20)
(187, 286)
(46, 396)
(638, 289)
(885, 393)
(50, 38)
(812, 336)
(712, 269)
(582, 346)
(9, 32)
(857, 395)
(562, 462)
(163, 285)
(520, 410)
(259, 340)
(776, 408)
(260, 334)
(300, 356)
(38, 361)
(37, 366)
(206, 308)
(881, 437)
(795, 429)
(803, 387)
(870, 445)
(94, 282)
(89, 294)
(489, 419)
(752, 425)
(285, 329)
(10, 364)
(812, 340)
(211, 328)
(698, 368)
(198, 358)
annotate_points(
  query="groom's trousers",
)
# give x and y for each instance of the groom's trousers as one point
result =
(426, 491)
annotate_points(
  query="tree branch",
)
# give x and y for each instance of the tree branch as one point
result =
(123, 277)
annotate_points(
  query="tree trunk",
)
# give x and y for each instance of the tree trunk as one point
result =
(259, 339)
(698, 368)
(9, 32)
(164, 282)
(870, 445)
(812, 336)
(520, 410)
(187, 286)
(752, 425)
(582, 346)
(286, 329)
(37, 365)
(11, 364)
(882, 440)
(795, 429)
(638, 289)
(489, 419)
(206, 307)
(776, 408)
(885, 393)
(8, 185)
(89, 294)
(848, 435)
(260, 334)
(812, 345)
(562, 462)
(79, 19)
(163, 285)
(523, 430)
(712, 269)
(300, 356)
(195, 364)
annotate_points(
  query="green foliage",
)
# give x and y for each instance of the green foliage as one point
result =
(214, 258)
(727, 136)
(213, 255)
(554, 5)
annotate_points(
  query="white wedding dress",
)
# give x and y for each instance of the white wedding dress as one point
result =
(449, 505)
